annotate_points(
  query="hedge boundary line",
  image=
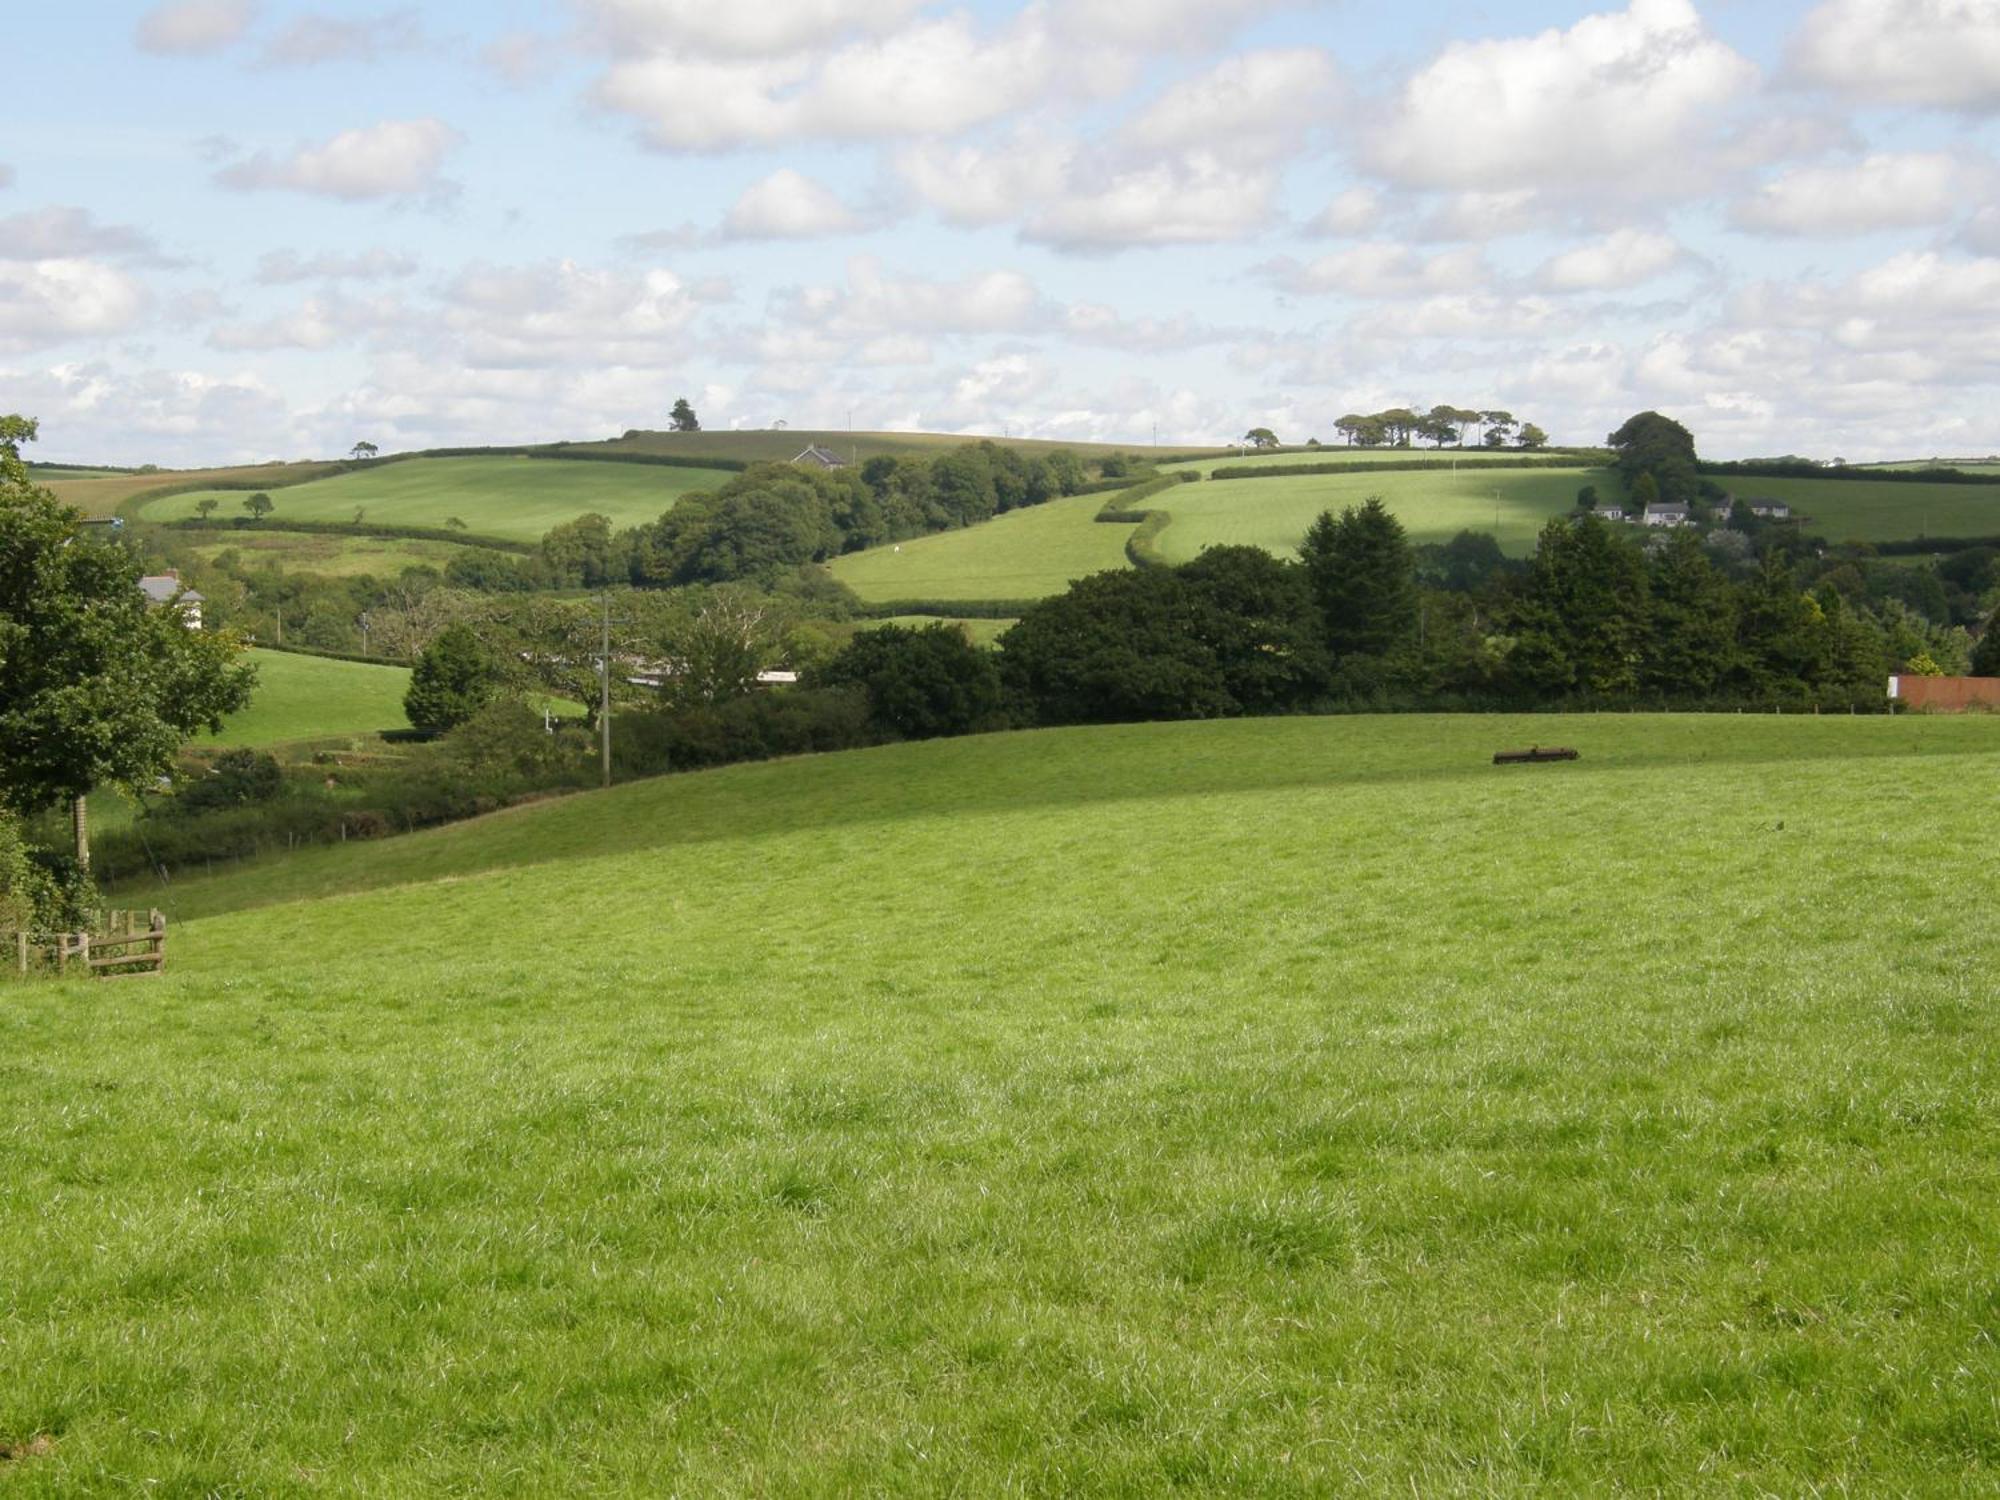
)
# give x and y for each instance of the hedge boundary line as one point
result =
(1410, 465)
(1758, 469)
(244, 525)
(1123, 508)
(332, 655)
(949, 609)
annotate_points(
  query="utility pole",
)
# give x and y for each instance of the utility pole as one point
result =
(604, 692)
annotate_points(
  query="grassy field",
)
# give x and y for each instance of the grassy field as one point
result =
(1433, 505)
(1293, 1108)
(103, 497)
(308, 697)
(1024, 554)
(515, 498)
(1869, 510)
(785, 444)
(334, 556)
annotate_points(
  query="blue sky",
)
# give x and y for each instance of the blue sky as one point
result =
(233, 230)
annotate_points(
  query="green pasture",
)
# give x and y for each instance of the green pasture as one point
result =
(1024, 554)
(107, 495)
(1294, 1107)
(1880, 510)
(1963, 465)
(310, 697)
(784, 444)
(335, 556)
(515, 498)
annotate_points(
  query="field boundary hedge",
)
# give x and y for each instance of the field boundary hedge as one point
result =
(245, 525)
(1123, 509)
(952, 609)
(332, 655)
(1410, 465)
(1766, 469)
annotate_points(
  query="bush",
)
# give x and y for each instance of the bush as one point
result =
(40, 891)
(783, 721)
(236, 779)
(452, 680)
(921, 683)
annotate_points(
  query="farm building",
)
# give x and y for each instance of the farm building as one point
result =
(163, 590)
(816, 457)
(1946, 695)
(1611, 510)
(1667, 515)
(1773, 510)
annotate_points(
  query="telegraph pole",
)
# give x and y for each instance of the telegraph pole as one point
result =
(604, 692)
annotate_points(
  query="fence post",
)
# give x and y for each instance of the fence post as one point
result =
(21, 944)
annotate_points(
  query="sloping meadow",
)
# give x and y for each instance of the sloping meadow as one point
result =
(1288, 1106)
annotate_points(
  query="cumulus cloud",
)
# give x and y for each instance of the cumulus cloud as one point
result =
(1940, 53)
(313, 39)
(281, 267)
(193, 27)
(48, 302)
(759, 30)
(934, 77)
(1624, 258)
(67, 234)
(1354, 211)
(1885, 191)
(560, 312)
(1378, 269)
(788, 205)
(1161, 25)
(1613, 103)
(398, 158)
(877, 301)
(1255, 107)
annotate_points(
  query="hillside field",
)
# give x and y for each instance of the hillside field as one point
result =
(103, 496)
(1024, 554)
(312, 697)
(514, 498)
(1880, 510)
(333, 555)
(781, 445)
(1287, 1107)
(1433, 505)
(1443, 457)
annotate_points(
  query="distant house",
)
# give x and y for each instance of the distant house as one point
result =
(1611, 510)
(1667, 515)
(163, 590)
(1775, 510)
(817, 457)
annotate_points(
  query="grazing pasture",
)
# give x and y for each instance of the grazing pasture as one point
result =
(1288, 1107)
(104, 496)
(335, 556)
(783, 444)
(514, 498)
(1024, 554)
(1434, 505)
(1880, 510)
(982, 632)
(310, 697)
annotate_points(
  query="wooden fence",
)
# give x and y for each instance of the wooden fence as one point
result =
(126, 943)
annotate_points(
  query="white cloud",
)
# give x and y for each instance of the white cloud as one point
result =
(313, 39)
(1160, 25)
(1192, 200)
(398, 158)
(1253, 108)
(1941, 53)
(763, 29)
(788, 205)
(1617, 102)
(1379, 268)
(280, 267)
(561, 312)
(1355, 211)
(933, 78)
(46, 302)
(1982, 231)
(973, 186)
(1624, 258)
(190, 27)
(875, 301)
(1884, 191)
(65, 234)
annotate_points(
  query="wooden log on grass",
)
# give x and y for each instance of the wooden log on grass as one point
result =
(1533, 755)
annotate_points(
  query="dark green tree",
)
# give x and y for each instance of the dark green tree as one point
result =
(95, 688)
(1117, 647)
(259, 505)
(1986, 650)
(1690, 648)
(1582, 623)
(454, 677)
(1649, 443)
(1363, 579)
(1261, 437)
(683, 417)
(920, 683)
(1257, 617)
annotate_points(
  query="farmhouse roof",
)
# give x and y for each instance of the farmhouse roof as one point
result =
(826, 458)
(160, 588)
(1666, 510)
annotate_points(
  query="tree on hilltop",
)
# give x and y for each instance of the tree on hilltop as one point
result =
(1531, 436)
(683, 417)
(1649, 443)
(1261, 437)
(1497, 424)
(363, 450)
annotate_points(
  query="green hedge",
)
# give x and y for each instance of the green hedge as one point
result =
(1570, 460)
(349, 528)
(955, 609)
(1775, 469)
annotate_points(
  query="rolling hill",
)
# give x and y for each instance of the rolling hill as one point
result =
(1286, 1106)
